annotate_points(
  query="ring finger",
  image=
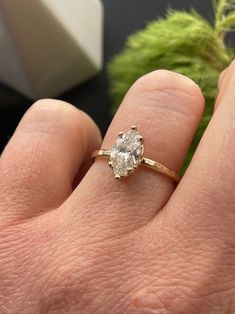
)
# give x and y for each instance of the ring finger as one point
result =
(166, 107)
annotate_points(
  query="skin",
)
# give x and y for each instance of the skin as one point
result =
(75, 240)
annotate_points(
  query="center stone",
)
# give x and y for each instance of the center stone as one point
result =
(126, 153)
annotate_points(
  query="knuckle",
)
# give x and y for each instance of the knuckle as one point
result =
(71, 286)
(164, 79)
(164, 300)
(167, 86)
(63, 290)
(51, 104)
(168, 299)
(55, 116)
(79, 280)
(50, 111)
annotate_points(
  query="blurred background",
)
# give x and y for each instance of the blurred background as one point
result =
(121, 18)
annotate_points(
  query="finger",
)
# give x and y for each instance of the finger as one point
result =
(166, 107)
(39, 164)
(210, 179)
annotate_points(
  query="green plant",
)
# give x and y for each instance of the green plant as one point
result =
(183, 42)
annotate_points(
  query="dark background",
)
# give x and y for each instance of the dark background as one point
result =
(122, 17)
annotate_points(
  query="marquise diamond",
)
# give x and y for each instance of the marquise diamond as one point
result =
(126, 153)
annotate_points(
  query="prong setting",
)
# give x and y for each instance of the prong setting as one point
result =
(127, 153)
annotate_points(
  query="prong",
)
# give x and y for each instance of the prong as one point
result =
(120, 134)
(117, 177)
(129, 170)
(134, 128)
(110, 163)
(135, 166)
(141, 139)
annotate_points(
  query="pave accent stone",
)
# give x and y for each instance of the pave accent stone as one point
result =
(126, 153)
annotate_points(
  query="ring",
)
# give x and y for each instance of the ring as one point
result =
(127, 155)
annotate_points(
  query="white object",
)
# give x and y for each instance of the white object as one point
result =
(49, 46)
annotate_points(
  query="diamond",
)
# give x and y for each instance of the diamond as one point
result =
(126, 153)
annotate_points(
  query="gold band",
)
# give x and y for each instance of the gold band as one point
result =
(154, 165)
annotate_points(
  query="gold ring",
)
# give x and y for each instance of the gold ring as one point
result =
(127, 154)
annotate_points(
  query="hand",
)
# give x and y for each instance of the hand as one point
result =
(133, 246)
